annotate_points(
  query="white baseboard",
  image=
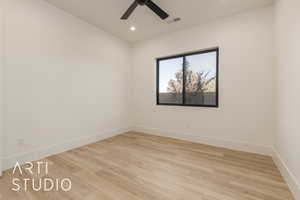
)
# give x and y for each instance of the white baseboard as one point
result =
(9, 162)
(287, 174)
(234, 145)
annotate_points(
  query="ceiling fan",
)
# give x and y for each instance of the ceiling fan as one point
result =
(150, 4)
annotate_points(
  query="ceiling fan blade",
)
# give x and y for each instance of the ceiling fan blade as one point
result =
(130, 10)
(155, 8)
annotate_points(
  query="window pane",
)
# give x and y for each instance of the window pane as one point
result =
(200, 85)
(170, 81)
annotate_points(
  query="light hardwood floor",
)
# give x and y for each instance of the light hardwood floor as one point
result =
(136, 166)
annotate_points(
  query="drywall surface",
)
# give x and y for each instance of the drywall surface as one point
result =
(1, 79)
(288, 137)
(247, 82)
(65, 79)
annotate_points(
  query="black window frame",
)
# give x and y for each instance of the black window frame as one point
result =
(183, 68)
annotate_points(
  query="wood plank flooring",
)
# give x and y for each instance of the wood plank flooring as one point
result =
(137, 166)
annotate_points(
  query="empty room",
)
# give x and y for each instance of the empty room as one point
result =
(149, 100)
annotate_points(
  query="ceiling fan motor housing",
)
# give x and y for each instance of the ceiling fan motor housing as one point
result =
(142, 2)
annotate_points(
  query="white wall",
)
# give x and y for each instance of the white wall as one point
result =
(67, 82)
(247, 83)
(1, 79)
(288, 43)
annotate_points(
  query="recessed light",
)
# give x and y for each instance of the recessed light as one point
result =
(132, 28)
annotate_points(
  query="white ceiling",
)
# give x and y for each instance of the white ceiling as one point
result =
(106, 14)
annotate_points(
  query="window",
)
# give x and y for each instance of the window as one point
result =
(188, 79)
